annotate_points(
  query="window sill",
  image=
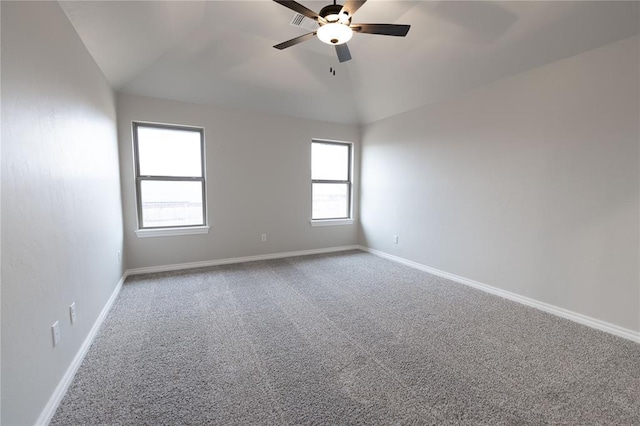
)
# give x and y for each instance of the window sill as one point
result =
(169, 232)
(331, 222)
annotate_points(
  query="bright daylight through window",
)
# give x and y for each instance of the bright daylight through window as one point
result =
(331, 180)
(170, 184)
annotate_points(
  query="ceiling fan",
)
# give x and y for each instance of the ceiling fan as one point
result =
(336, 28)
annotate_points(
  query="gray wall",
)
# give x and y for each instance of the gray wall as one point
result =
(529, 184)
(258, 182)
(61, 208)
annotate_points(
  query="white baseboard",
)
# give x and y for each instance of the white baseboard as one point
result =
(190, 265)
(53, 403)
(561, 312)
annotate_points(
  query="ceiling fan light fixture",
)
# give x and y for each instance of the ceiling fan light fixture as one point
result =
(335, 33)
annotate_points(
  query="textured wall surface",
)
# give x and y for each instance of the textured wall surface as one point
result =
(529, 184)
(61, 204)
(258, 182)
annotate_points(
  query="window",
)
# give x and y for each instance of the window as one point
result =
(170, 178)
(330, 180)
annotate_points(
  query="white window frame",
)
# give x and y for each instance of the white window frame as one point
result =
(336, 221)
(164, 231)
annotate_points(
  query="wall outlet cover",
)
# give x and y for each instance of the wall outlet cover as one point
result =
(55, 332)
(72, 312)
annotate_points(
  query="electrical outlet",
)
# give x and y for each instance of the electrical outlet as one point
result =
(395, 239)
(55, 332)
(119, 257)
(72, 312)
(264, 237)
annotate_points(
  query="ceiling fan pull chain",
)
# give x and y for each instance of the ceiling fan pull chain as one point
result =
(332, 68)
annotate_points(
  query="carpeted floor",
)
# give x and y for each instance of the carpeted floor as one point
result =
(341, 339)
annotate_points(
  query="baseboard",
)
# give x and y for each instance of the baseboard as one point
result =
(190, 265)
(561, 312)
(52, 405)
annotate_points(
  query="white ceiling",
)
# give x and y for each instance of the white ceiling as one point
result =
(220, 52)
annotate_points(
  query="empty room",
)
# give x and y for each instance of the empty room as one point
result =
(320, 212)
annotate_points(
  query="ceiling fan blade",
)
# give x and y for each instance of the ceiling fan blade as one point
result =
(382, 29)
(295, 41)
(343, 52)
(352, 5)
(297, 7)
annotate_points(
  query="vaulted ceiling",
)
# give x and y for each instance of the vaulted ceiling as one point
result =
(220, 52)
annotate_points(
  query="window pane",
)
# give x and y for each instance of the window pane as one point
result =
(169, 152)
(330, 201)
(168, 203)
(329, 161)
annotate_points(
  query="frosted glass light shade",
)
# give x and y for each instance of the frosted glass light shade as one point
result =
(335, 33)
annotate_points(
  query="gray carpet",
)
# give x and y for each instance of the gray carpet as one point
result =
(342, 339)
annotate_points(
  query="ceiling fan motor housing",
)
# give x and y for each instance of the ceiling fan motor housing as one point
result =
(331, 13)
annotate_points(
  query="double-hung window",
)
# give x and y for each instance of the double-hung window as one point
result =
(331, 181)
(170, 178)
